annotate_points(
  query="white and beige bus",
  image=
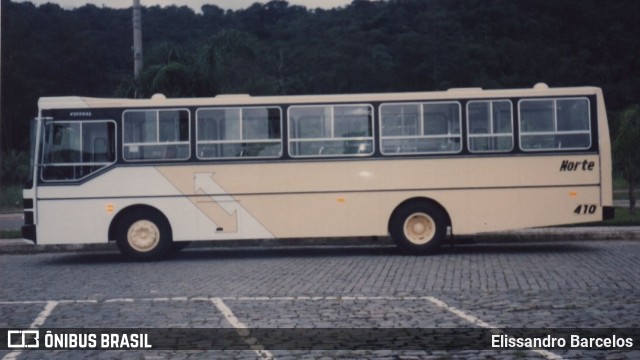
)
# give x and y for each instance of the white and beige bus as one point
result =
(154, 174)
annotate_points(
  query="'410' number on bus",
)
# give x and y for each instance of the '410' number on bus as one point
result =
(585, 209)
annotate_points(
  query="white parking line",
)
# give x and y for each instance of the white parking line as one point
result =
(242, 329)
(39, 321)
(28, 302)
(44, 314)
(474, 320)
(470, 318)
(223, 298)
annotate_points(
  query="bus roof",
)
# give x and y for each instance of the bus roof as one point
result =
(159, 100)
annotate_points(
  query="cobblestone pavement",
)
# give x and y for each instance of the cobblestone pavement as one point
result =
(545, 285)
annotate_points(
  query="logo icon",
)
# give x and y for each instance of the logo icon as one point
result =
(19, 339)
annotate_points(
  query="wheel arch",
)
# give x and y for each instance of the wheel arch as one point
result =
(137, 208)
(419, 200)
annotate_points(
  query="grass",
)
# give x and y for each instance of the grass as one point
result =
(622, 218)
(620, 183)
(11, 198)
(10, 234)
(10, 201)
(621, 189)
(624, 194)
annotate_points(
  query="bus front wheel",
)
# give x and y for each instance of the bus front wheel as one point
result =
(419, 227)
(144, 236)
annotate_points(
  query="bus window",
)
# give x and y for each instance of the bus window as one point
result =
(490, 126)
(331, 130)
(74, 150)
(156, 135)
(252, 132)
(425, 128)
(548, 124)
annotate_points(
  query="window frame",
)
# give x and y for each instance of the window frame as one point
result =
(490, 134)
(522, 133)
(157, 142)
(291, 140)
(420, 105)
(104, 164)
(240, 141)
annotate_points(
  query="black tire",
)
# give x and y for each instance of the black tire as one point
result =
(144, 236)
(419, 227)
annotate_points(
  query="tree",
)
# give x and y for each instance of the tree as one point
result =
(228, 64)
(173, 80)
(626, 149)
(277, 48)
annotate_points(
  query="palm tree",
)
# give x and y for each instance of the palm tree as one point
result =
(227, 63)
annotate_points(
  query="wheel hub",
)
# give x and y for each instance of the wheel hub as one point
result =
(419, 228)
(143, 235)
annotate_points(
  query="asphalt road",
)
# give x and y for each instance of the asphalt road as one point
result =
(594, 284)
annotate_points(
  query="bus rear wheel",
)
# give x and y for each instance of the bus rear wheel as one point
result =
(419, 227)
(144, 236)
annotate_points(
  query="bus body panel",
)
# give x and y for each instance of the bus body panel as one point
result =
(331, 199)
(335, 176)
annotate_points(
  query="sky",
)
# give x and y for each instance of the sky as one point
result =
(194, 4)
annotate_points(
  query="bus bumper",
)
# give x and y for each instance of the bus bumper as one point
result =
(29, 233)
(608, 212)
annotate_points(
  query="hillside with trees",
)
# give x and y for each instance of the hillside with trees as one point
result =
(277, 48)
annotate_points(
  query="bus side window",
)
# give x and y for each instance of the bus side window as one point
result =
(437, 129)
(490, 126)
(156, 134)
(331, 130)
(555, 124)
(238, 132)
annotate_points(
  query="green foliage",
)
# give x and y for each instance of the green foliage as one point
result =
(626, 150)
(623, 217)
(10, 234)
(14, 167)
(277, 48)
(172, 79)
(11, 197)
(227, 63)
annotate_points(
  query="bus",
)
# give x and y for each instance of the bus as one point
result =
(154, 174)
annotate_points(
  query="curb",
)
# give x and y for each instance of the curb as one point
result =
(21, 246)
(563, 234)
